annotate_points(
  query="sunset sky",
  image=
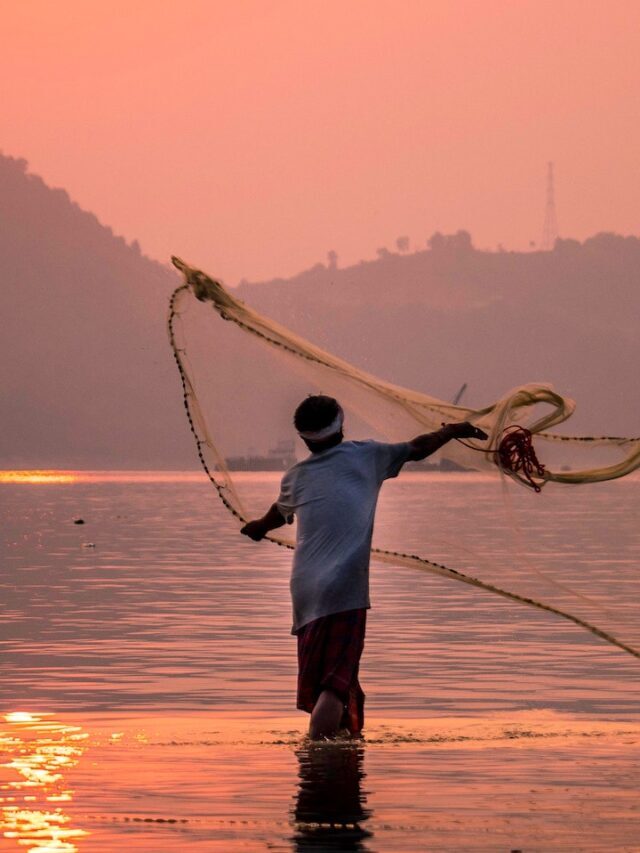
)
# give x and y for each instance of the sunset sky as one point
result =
(253, 137)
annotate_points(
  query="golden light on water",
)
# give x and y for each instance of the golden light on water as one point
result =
(38, 477)
(37, 752)
(20, 717)
(55, 476)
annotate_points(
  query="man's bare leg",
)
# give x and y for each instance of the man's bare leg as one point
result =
(326, 715)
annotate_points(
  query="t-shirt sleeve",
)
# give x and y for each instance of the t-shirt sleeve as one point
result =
(286, 502)
(389, 458)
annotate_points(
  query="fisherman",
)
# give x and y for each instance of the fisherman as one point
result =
(333, 493)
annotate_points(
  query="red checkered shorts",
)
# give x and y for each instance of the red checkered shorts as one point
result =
(329, 650)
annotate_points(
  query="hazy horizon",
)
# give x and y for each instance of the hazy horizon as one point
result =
(89, 380)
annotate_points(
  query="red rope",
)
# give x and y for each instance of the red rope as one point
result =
(516, 454)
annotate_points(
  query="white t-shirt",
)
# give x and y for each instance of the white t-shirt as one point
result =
(334, 494)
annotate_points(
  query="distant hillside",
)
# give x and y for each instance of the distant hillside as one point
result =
(88, 378)
(437, 318)
(87, 375)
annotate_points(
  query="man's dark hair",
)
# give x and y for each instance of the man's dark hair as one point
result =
(316, 412)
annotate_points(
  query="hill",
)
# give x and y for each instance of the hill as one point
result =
(87, 376)
(88, 379)
(450, 314)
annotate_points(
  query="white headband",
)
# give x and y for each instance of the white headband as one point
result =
(317, 435)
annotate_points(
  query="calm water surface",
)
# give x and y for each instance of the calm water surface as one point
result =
(148, 675)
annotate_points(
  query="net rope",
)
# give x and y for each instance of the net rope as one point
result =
(388, 408)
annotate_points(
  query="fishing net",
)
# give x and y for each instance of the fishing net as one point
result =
(243, 375)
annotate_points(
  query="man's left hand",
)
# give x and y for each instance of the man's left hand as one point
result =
(254, 530)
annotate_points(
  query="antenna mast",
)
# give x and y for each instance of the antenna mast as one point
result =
(550, 229)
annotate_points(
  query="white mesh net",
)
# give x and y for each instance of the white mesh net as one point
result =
(243, 375)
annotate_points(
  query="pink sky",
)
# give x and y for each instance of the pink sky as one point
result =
(252, 137)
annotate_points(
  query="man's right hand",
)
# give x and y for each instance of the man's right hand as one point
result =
(254, 530)
(467, 430)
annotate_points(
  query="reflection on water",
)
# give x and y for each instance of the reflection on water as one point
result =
(39, 752)
(170, 612)
(235, 784)
(32, 477)
(55, 477)
(156, 601)
(330, 803)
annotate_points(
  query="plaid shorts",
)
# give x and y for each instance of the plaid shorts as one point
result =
(329, 650)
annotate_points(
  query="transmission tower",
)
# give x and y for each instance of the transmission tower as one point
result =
(550, 229)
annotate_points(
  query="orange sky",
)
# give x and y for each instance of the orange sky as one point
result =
(252, 137)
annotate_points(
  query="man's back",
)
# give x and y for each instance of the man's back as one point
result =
(334, 494)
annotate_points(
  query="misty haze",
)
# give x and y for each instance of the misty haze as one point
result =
(89, 380)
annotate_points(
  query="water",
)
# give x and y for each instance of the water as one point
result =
(147, 661)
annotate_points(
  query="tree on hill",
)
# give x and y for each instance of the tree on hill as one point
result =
(458, 242)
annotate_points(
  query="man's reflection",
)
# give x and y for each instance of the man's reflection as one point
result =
(329, 808)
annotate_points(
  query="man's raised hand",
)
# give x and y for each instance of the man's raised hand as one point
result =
(468, 430)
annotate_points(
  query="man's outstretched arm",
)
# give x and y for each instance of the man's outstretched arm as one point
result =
(259, 528)
(424, 445)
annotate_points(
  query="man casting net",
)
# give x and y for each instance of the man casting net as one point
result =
(244, 375)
